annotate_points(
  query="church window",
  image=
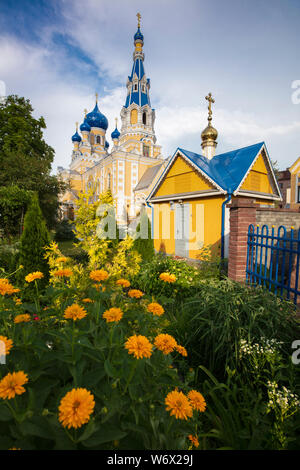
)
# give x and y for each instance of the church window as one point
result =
(146, 150)
(144, 118)
(135, 87)
(133, 116)
(98, 139)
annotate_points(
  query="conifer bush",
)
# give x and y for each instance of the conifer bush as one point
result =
(34, 239)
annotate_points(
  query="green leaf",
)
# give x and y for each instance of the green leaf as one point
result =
(5, 414)
(106, 433)
(110, 370)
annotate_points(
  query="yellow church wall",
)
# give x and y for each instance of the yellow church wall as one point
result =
(258, 178)
(182, 178)
(204, 226)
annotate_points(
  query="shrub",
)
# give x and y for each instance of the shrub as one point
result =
(144, 246)
(33, 241)
(64, 231)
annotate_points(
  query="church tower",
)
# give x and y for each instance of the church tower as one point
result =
(137, 116)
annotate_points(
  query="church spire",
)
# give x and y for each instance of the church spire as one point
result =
(210, 134)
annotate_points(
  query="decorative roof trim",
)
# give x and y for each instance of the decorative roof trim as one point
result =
(191, 195)
(243, 192)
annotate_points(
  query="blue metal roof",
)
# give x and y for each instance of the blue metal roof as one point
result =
(138, 97)
(227, 169)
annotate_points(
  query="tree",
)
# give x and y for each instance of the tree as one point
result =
(144, 246)
(25, 157)
(13, 205)
(34, 239)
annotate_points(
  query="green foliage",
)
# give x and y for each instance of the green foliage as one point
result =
(64, 231)
(13, 205)
(60, 354)
(223, 313)
(25, 158)
(8, 256)
(33, 241)
(144, 246)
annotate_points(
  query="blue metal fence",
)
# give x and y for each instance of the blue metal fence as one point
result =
(273, 260)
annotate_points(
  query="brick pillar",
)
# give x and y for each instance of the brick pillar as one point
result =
(242, 214)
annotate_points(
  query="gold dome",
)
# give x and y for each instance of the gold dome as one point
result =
(209, 133)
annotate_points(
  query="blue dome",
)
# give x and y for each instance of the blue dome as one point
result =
(97, 119)
(115, 134)
(106, 144)
(85, 126)
(76, 137)
(138, 35)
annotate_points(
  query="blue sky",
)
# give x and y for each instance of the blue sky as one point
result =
(58, 53)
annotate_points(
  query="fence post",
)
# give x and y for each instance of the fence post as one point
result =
(242, 214)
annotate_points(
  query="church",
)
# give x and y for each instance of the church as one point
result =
(135, 159)
(186, 195)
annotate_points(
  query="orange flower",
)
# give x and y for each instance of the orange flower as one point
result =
(5, 345)
(61, 259)
(22, 318)
(194, 440)
(165, 343)
(135, 293)
(166, 277)
(63, 272)
(123, 283)
(178, 405)
(113, 314)
(87, 301)
(12, 385)
(7, 288)
(75, 312)
(197, 400)
(181, 350)
(76, 408)
(139, 346)
(33, 276)
(155, 308)
(99, 275)
(18, 301)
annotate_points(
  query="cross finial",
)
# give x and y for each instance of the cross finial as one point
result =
(96, 97)
(76, 126)
(139, 19)
(116, 119)
(85, 112)
(210, 100)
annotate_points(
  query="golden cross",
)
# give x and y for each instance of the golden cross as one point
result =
(210, 100)
(139, 19)
(96, 97)
(116, 119)
(76, 126)
(85, 111)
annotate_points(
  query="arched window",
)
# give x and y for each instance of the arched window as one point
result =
(144, 118)
(98, 139)
(146, 150)
(133, 116)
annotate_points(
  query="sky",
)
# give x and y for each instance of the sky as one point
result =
(58, 53)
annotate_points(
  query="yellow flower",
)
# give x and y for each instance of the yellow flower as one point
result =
(123, 283)
(76, 407)
(178, 405)
(25, 317)
(197, 400)
(165, 343)
(62, 259)
(181, 350)
(14, 448)
(63, 272)
(18, 301)
(166, 277)
(194, 440)
(155, 308)
(33, 276)
(113, 314)
(135, 293)
(75, 312)
(139, 346)
(12, 385)
(99, 275)
(7, 345)
(7, 288)
(87, 301)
